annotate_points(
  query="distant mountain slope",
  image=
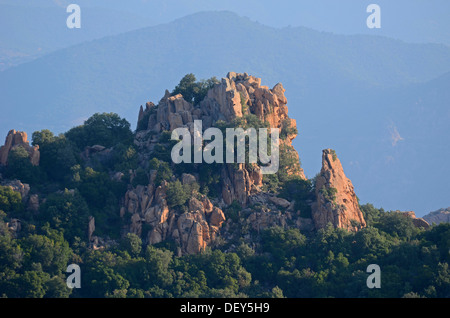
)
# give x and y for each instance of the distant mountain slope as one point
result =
(438, 216)
(350, 93)
(397, 146)
(29, 32)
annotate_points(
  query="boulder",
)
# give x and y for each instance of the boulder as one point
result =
(280, 201)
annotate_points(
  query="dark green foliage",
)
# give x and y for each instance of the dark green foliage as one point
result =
(102, 195)
(178, 194)
(20, 167)
(396, 225)
(287, 129)
(301, 191)
(329, 194)
(193, 91)
(124, 158)
(163, 170)
(210, 181)
(132, 244)
(66, 211)
(51, 252)
(140, 178)
(10, 201)
(268, 262)
(106, 129)
(233, 211)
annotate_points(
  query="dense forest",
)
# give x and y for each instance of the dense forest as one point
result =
(280, 262)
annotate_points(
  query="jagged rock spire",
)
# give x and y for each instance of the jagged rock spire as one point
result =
(336, 201)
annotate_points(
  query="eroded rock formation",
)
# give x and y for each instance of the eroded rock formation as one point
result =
(336, 201)
(193, 229)
(198, 224)
(16, 139)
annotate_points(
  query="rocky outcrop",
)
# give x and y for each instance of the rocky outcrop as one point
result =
(16, 139)
(193, 229)
(14, 226)
(91, 228)
(238, 183)
(336, 201)
(18, 186)
(235, 96)
(418, 222)
(439, 216)
(33, 203)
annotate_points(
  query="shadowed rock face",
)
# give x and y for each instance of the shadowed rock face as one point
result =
(197, 226)
(16, 139)
(336, 199)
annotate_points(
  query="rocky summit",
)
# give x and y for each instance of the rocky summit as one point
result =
(196, 226)
(336, 201)
(169, 207)
(16, 139)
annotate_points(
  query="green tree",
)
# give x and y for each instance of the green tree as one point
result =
(57, 154)
(163, 170)
(66, 211)
(177, 193)
(51, 252)
(397, 225)
(132, 244)
(158, 262)
(31, 284)
(20, 167)
(10, 201)
(193, 91)
(106, 129)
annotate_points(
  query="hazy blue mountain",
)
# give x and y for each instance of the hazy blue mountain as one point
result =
(29, 32)
(395, 149)
(350, 93)
(409, 20)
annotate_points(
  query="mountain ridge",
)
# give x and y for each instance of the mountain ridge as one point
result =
(116, 73)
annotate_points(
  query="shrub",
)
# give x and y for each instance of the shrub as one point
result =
(193, 91)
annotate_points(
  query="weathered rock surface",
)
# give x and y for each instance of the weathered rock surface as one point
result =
(199, 223)
(193, 230)
(233, 97)
(18, 186)
(16, 139)
(439, 216)
(33, 203)
(336, 201)
(418, 222)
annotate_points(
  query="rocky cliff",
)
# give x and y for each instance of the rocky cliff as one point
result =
(336, 201)
(16, 139)
(203, 219)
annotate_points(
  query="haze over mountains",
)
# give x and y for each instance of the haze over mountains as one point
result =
(382, 104)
